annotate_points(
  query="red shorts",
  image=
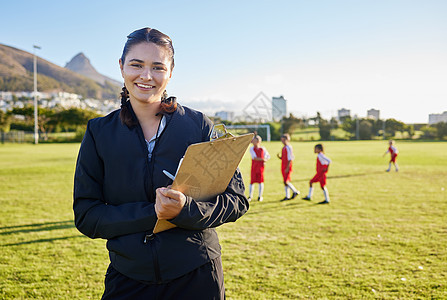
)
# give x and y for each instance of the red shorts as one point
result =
(257, 172)
(286, 176)
(393, 158)
(321, 178)
(257, 177)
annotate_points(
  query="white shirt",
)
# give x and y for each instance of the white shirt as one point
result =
(253, 153)
(151, 143)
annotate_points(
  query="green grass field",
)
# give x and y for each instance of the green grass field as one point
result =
(384, 235)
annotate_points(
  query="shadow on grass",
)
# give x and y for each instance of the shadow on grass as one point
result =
(343, 176)
(356, 175)
(44, 240)
(37, 227)
(287, 204)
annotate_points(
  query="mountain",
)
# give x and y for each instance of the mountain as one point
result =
(16, 74)
(81, 65)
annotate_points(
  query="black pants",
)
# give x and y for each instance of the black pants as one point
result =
(205, 282)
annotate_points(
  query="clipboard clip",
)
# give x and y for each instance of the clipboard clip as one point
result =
(220, 132)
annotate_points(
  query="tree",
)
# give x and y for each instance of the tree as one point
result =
(392, 125)
(74, 117)
(325, 129)
(365, 130)
(428, 132)
(290, 124)
(441, 130)
(349, 125)
(5, 121)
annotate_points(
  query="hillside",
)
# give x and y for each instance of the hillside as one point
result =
(16, 74)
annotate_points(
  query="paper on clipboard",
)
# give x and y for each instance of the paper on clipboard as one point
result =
(206, 169)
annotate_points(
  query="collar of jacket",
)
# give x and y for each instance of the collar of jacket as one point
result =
(167, 115)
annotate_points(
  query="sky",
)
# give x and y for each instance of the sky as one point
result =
(321, 56)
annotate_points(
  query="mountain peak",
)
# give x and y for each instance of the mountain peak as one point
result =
(81, 65)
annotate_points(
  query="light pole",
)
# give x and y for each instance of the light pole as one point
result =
(36, 130)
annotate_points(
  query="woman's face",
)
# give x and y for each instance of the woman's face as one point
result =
(146, 71)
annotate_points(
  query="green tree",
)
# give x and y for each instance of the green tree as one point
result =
(290, 124)
(392, 125)
(441, 130)
(275, 131)
(428, 132)
(324, 129)
(365, 129)
(349, 125)
(5, 121)
(72, 118)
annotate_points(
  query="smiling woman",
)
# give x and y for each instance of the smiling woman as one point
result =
(146, 67)
(120, 190)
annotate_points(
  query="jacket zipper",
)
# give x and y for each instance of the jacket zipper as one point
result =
(149, 238)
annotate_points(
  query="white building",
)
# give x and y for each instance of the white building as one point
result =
(437, 118)
(342, 113)
(57, 99)
(373, 114)
(225, 115)
(279, 108)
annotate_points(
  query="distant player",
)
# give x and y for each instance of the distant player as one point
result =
(322, 168)
(259, 155)
(286, 167)
(392, 149)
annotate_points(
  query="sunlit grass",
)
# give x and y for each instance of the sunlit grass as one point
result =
(382, 237)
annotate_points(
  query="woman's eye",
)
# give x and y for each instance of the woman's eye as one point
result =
(136, 65)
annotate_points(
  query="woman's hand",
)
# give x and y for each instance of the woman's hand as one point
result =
(168, 203)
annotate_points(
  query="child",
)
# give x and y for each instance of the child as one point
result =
(322, 168)
(259, 155)
(394, 152)
(286, 166)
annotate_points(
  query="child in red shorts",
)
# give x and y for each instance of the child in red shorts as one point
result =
(259, 155)
(394, 152)
(322, 168)
(286, 166)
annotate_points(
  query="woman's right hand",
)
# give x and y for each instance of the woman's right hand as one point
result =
(168, 203)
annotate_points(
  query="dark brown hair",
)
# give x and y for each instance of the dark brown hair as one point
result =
(146, 35)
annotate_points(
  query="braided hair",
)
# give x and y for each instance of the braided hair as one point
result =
(148, 35)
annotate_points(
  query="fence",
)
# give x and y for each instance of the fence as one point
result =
(16, 136)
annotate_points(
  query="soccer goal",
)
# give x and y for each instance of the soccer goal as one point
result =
(262, 130)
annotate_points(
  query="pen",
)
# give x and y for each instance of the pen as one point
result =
(170, 176)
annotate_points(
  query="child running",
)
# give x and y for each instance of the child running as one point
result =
(286, 166)
(322, 168)
(259, 155)
(394, 152)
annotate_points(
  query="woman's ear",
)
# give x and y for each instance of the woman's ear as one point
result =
(121, 67)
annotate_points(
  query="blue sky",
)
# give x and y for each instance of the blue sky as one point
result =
(321, 56)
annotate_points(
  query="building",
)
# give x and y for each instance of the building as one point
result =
(343, 113)
(437, 118)
(373, 114)
(279, 108)
(225, 115)
(9, 100)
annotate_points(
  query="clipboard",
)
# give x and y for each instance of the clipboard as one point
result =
(206, 170)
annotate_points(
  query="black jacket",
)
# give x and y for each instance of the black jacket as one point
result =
(114, 195)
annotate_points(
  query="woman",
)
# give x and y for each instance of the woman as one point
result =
(120, 190)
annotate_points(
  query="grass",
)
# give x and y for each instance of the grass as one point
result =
(382, 237)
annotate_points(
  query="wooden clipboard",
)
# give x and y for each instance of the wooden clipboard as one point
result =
(206, 170)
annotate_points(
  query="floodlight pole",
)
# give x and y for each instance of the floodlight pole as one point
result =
(357, 127)
(36, 130)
